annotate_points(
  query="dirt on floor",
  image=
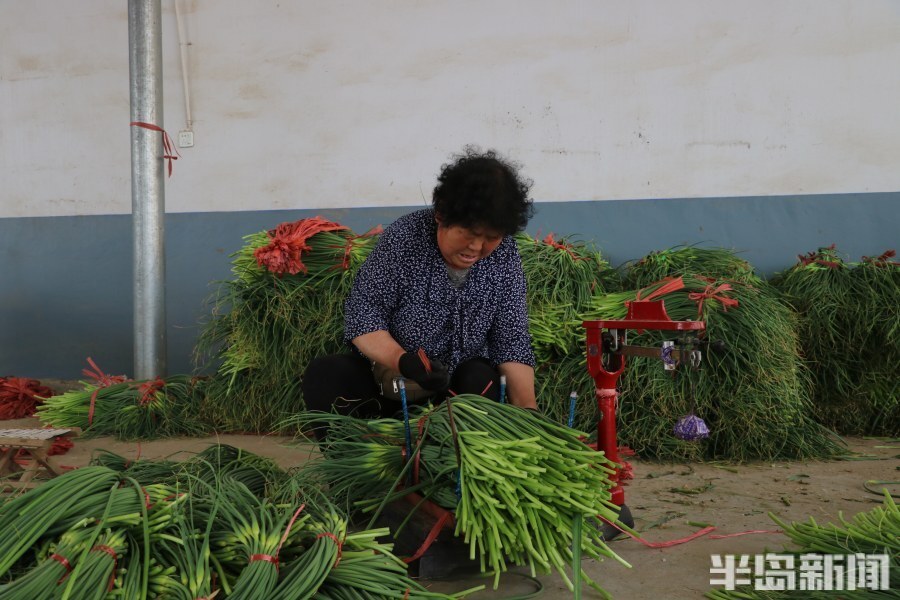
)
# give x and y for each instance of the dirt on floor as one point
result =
(668, 501)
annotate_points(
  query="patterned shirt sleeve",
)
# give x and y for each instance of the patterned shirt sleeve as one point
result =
(373, 297)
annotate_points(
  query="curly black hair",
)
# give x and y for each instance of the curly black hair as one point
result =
(482, 189)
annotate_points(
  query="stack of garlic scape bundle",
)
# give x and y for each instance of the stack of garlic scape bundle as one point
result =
(850, 335)
(515, 480)
(283, 308)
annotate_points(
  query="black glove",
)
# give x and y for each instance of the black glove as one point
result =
(432, 378)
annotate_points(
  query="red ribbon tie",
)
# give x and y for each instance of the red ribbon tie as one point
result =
(709, 292)
(168, 147)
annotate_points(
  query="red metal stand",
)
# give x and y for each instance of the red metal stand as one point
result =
(606, 351)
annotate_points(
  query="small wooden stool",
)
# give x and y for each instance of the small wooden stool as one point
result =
(35, 444)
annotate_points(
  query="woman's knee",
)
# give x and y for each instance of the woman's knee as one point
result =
(336, 376)
(476, 376)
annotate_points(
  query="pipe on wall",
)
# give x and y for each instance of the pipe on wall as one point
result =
(183, 45)
(147, 187)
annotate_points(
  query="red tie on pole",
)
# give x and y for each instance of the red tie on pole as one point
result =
(168, 147)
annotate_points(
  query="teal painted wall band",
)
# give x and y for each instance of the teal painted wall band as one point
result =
(66, 291)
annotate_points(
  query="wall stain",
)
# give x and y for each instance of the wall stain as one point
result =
(276, 186)
(570, 152)
(300, 61)
(720, 144)
(242, 114)
(252, 91)
(29, 63)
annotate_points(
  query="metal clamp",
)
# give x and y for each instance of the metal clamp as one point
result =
(695, 358)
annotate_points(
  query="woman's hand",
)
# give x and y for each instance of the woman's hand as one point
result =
(432, 375)
(519, 384)
(381, 347)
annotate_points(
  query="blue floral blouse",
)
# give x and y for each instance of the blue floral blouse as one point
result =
(403, 287)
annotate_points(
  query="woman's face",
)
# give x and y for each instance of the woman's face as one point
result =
(461, 247)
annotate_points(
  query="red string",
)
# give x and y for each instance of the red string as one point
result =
(819, 258)
(731, 535)
(426, 362)
(806, 260)
(672, 284)
(287, 531)
(111, 552)
(60, 445)
(288, 243)
(668, 544)
(693, 536)
(348, 247)
(377, 230)
(148, 390)
(560, 246)
(64, 562)
(627, 470)
(168, 147)
(93, 402)
(340, 545)
(103, 548)
(102, 380)
(429, 539)
(882, 261)
(709, 292)
(19, 397)
(266, 557)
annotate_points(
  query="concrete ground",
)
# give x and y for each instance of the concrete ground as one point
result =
(668, 501)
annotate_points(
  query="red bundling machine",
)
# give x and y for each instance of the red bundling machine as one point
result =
(607, 347)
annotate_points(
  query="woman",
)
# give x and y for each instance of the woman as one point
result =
(440, 301)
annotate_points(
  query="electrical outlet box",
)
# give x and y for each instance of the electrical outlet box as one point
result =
(185, 138)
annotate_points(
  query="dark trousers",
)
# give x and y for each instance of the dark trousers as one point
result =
(343, 383)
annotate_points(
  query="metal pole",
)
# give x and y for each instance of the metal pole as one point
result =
(147, 188)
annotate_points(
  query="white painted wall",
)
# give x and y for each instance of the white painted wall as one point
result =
(327, 103)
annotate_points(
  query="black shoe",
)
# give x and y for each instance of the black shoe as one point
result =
(610, 531)
(446, 555)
